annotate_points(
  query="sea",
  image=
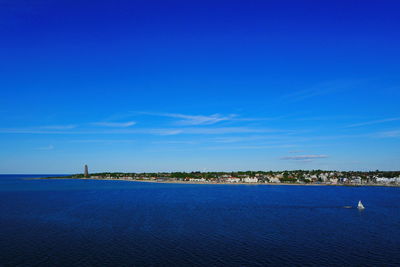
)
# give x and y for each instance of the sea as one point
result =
(121, 223)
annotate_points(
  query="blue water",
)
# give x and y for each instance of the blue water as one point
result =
(118, 223)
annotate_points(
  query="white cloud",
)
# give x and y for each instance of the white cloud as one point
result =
(176, 142)
(320, 89)
(373, 122)
(295, 151)
(201, 131)
(58, 127)
(202, 120)
(248, 147)
(155, 131)
(33, 131)
(388, 134)
(49, 147)
(166, 131)
(305, 157)
(103, 141)
(226, 130)
(115, 124)
(257, 138)
(195, 119)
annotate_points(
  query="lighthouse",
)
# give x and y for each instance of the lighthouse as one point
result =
(86, 172)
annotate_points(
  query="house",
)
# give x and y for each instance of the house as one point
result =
(232, 180)
(250, 180)
(384, 180)
(197, 180)
(334, 180)
(274, 180)
(314, 178)
(323, 177)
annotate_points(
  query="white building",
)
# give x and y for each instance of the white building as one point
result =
(334, 180)
(250, 180)
(323, 177)
(274, 180)
(384, 180)
(197, 180)
(232, 180)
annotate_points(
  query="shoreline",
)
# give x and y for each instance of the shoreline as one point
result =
(209, 183)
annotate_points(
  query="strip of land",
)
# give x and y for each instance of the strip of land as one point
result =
(299, 177)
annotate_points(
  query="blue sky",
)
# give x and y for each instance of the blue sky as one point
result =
(199, 85)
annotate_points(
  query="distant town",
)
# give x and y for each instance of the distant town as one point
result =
(309, 177)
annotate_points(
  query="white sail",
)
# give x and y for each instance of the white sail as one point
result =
(360, 206)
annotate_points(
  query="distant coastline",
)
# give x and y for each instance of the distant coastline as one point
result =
(167, 181)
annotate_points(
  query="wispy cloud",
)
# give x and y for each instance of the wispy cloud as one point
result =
(184, 142)
(153, 131)
(49, 147)
(248, 147)
(115, 124)
(388, 134)
(32, 131)
(58, 127)
(194, 119)
(373, 122)
(304, 157)
(320, 89)
(201, 131)
(251, 138)
(103, 141)
(296, 151)
(165, 131)
(304, 94)
(328, 118)
(227, 130)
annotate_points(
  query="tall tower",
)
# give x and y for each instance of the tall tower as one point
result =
(86, 173)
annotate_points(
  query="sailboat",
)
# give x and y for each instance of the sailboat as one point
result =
(360, 206)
